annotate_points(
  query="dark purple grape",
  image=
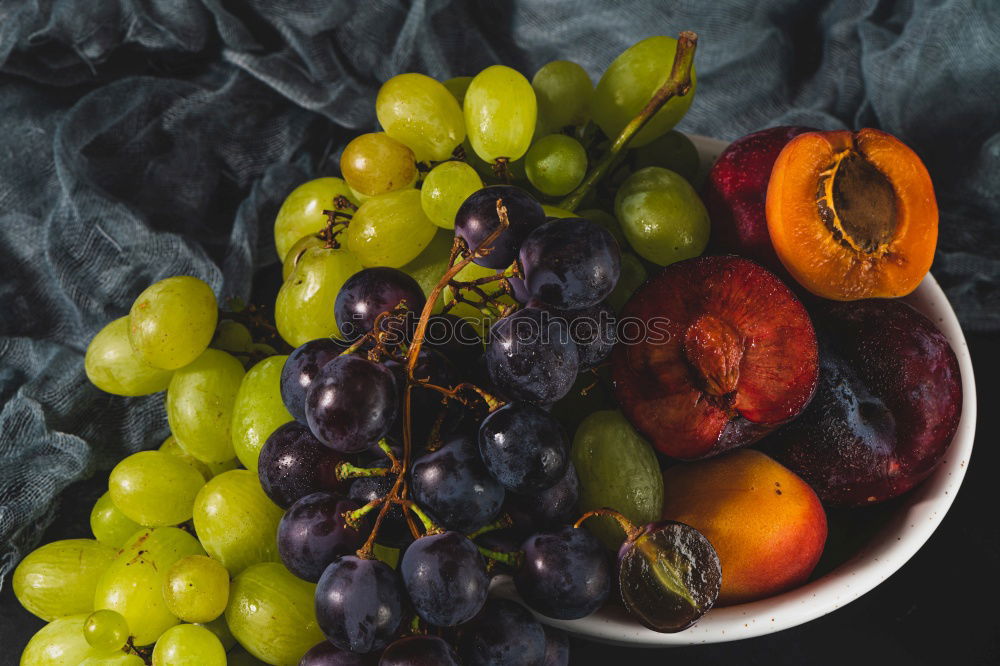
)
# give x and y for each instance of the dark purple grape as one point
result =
(445, 577)
(556, 647)
(595, 332)
(570, 264)
(371, 292)
(455, 488)
(426, 404)
(419, 651)
(565, 574)
(524, 448)
(301, 367)
(325, 654)
(520, 289)
(351, 403)
(504, 633)
(313, 533)
(553, 506)
(455, 338)
(394, 531)
(359, 604)
(477, 218)
(530, 356)
(293, 464)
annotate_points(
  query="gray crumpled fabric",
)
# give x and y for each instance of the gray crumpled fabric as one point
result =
(146, 138)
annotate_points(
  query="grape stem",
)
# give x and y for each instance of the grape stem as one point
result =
(677, 84)
(503, 522)
(630, 529)
(510, 559)
(346, 470)
(493, 402)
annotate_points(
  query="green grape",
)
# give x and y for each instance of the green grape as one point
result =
(301, 214)
(630, 82)
(662, 216)
(556, 164)
(118, 659)
(154, 489)
(236, 521)
(419, 112)
(297, 252)
(219, 627)
(608, 221)
(232, 336)
(617, 469)
(259, 410)
(479, 320)
(59, 643)
(500, 111)
(563, 90)
(672, 151)
(431, 264)
(206, 469)
(196, 589)
(376, 163)
(555, 211)
(271, 613)
(390, 229)
(133, 583)
(632, 276)
(303, 310)
(114, 367)
(188, 645)
(172, 321)
(110, 526)
(59, 578)
(105, 630)
(445, 189)
(200, 405)
(457, 87)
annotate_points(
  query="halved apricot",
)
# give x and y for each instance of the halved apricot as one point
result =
(852, 215)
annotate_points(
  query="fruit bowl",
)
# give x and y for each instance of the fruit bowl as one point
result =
(908, 522)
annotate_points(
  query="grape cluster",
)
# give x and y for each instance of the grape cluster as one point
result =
(357, 495)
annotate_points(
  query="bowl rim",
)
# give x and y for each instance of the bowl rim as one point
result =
(919, 513)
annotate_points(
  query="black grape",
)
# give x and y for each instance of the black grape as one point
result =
(453, 485)
(293, 464)
(503, 634)
(595, 331)
(455, 338)
(301, 367)
(556, 647)
(570, 263)
(565, 574)
(359, 604)
(552, 506)
(530, 356)
(351, 403)
(312, 534)
(477, 218)
(371, 292)
(394, 531)
(445, 577)
(524, 448)
(419, 651)
(325, 654)
(520, 289)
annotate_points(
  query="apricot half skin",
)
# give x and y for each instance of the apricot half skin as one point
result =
(713, 353)
(886, 408)
(766, 524)
(852, 215)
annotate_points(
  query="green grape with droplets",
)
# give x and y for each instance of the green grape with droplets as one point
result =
(133, 584)
(106, 630)
(298, 251)
(419, 112)
(200, 403)
(375, 163)
(563, 91)
(206, 469)
(303, 310)
(59, 578)
(172, 321)
(188, 645)
(301, 214)
(500, 111)
(59, 643)
(445, 189)
(236, 521)
(196, 588)
(630, 82)
(114, 367)
(390, 229)
(154, 489)
(259, 409)
(556, 164)
(271, 612)
(118, 659)
(110, 526)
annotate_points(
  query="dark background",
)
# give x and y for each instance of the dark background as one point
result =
(146, 139)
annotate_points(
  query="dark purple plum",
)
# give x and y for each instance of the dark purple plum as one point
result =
(313, 533)
(524, 448)
(445, 577)
(293, 464)
(371, 292)
(565, 574)
(419, 651)
(351, 404)
(301, 367)
(477, 219)
(530, 356)
(503, 633)
(359, 604)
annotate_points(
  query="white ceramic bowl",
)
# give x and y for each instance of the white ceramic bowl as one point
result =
(915, 517)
